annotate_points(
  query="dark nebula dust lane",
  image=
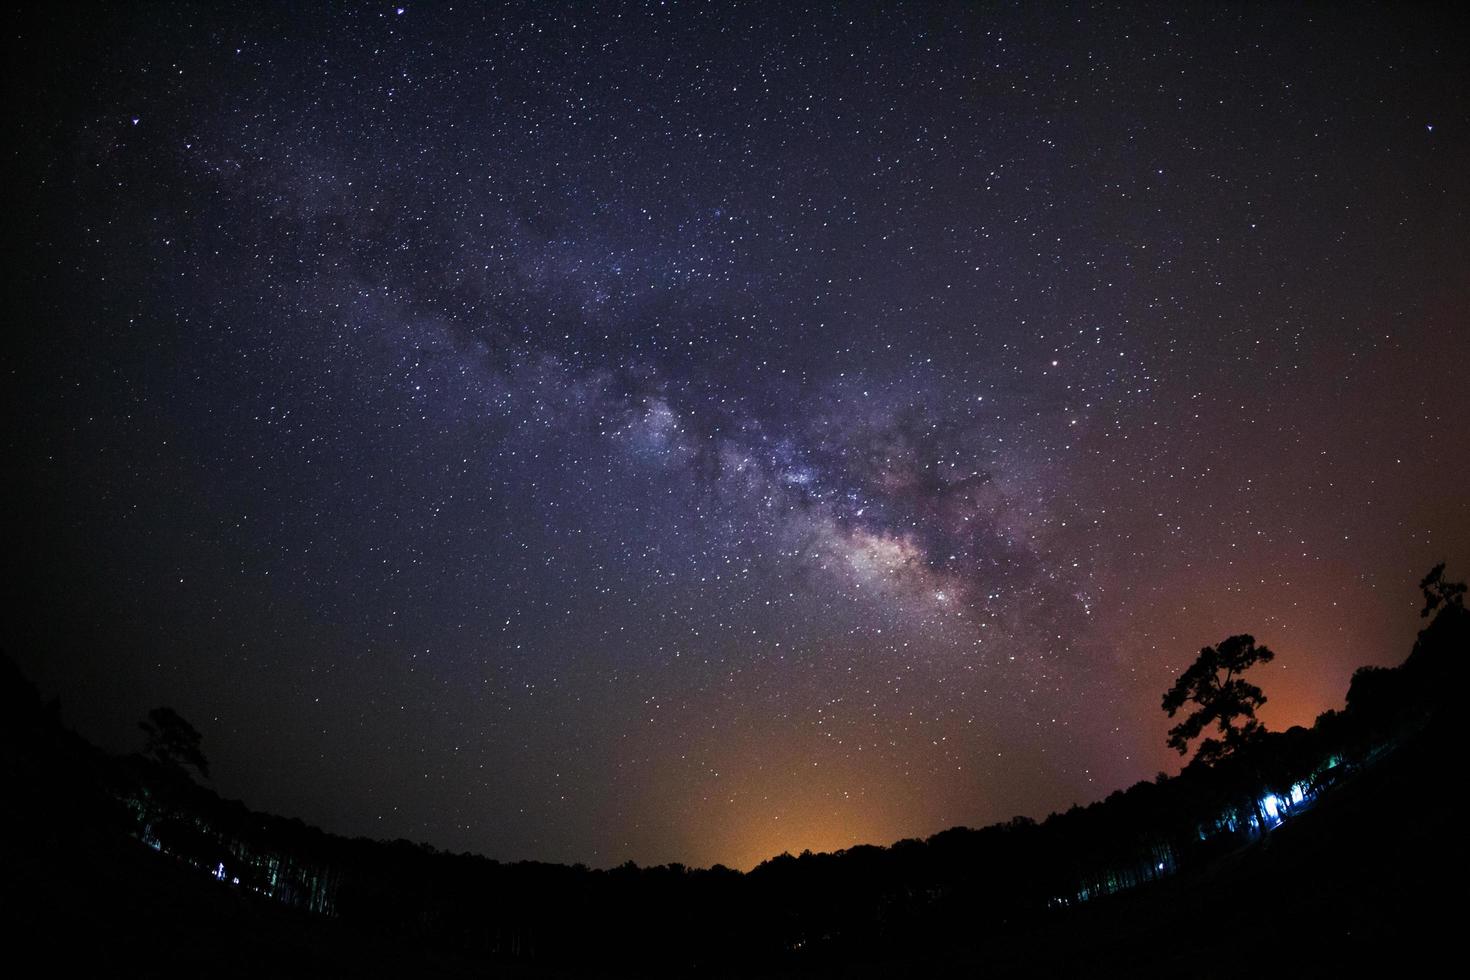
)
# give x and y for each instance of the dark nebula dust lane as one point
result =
(692, 432)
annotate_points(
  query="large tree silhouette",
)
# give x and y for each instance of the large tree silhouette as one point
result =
(1439, 592)
(1222, 698)
(173, 741)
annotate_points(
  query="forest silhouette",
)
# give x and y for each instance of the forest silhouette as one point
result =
(1312, 849)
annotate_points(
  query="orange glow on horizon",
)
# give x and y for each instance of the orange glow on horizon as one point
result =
(802, 825)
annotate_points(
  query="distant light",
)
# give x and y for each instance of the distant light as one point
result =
(1161, 865)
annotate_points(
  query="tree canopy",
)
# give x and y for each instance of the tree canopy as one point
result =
(1439, 592)
(1222, 698)
(173, 741)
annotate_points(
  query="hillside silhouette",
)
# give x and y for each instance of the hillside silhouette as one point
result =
(1308, 851)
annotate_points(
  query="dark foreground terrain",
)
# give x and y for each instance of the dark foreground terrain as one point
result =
(1371, 876)
(1331, 851)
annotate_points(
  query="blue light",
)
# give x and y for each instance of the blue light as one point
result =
(1272, 806)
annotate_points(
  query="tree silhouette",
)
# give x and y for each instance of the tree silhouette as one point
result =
(1223, 698)
(1438, 592)
(173, 741)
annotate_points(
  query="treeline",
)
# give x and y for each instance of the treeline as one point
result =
(948, 892)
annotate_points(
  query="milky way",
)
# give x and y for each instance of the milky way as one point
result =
(691, 433)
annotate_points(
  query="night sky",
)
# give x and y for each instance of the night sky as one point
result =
(687, 432)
